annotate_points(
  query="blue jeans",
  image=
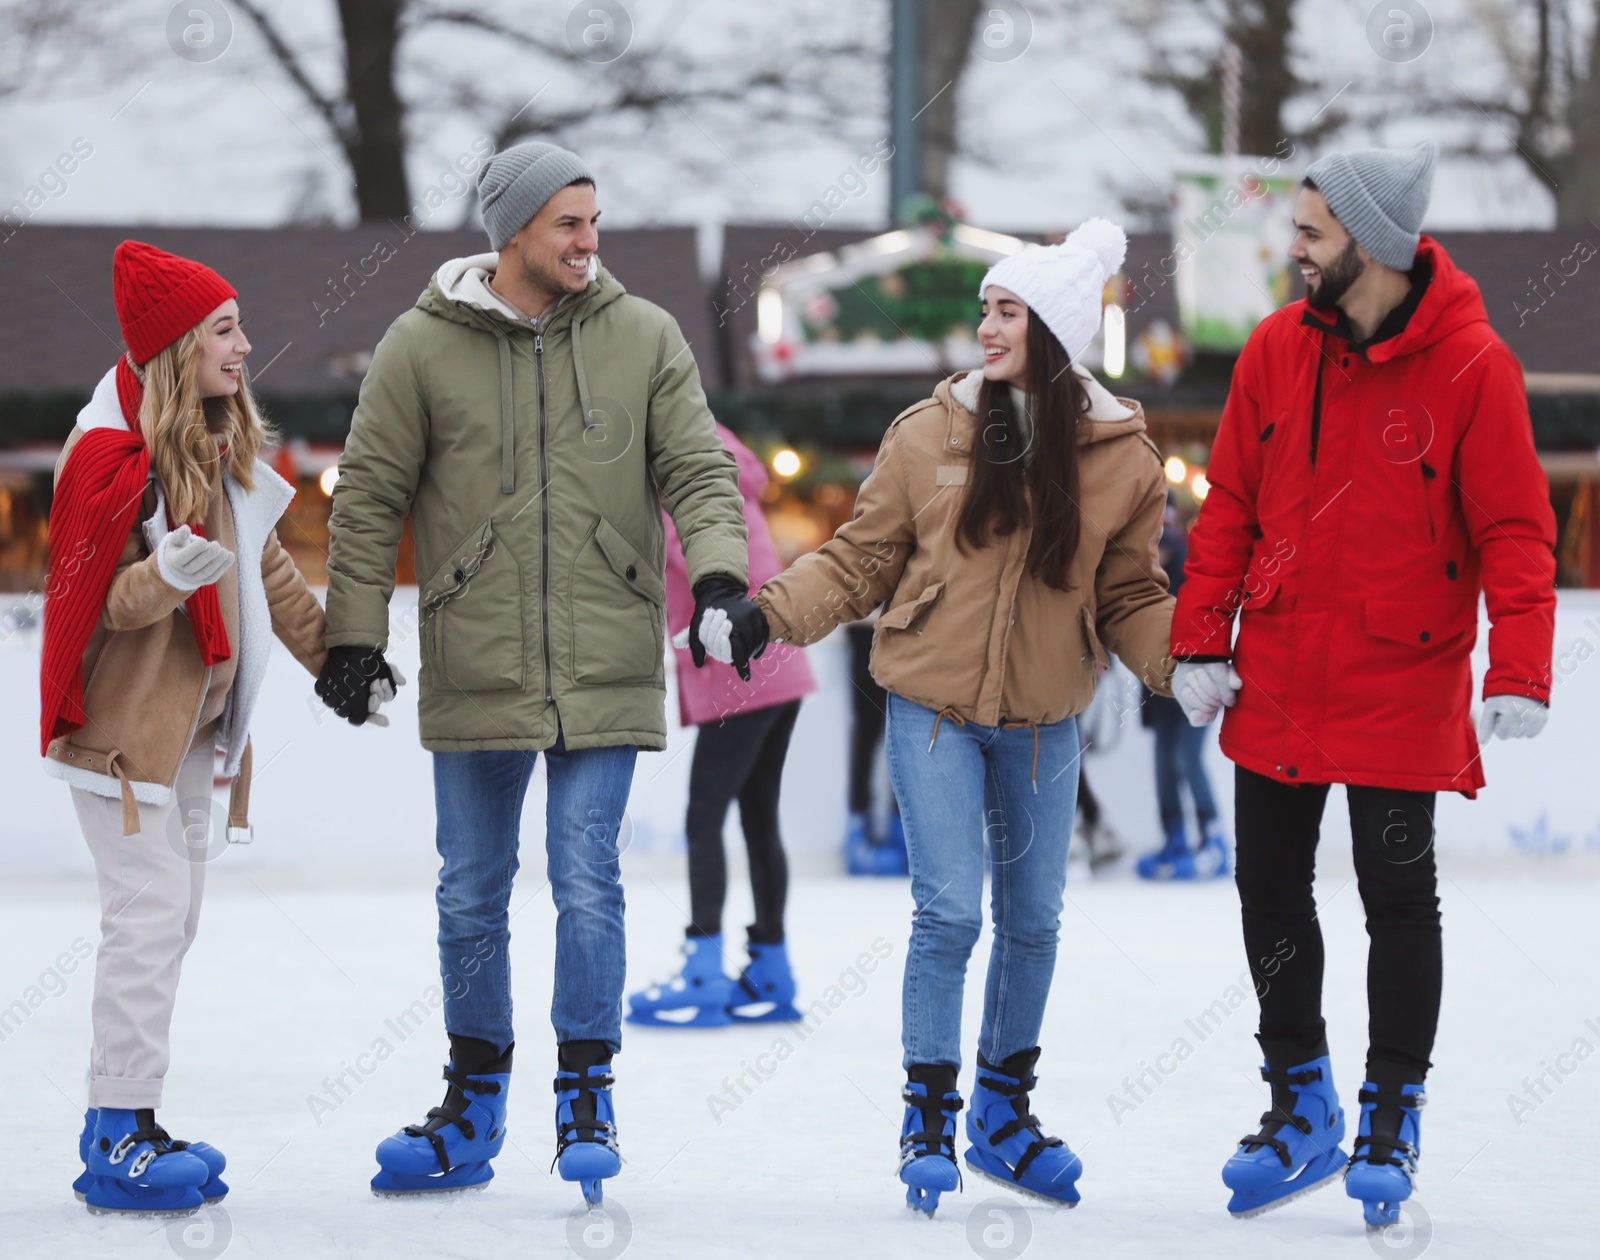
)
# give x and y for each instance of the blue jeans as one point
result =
(969, 802)
(478, 797)
(1179, 759)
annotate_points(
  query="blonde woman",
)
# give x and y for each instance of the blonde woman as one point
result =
(166, 579)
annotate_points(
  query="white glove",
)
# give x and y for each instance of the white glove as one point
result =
(716, 632)
(189, 562)
(1204, 689)
(1511, 717)
(380, 694)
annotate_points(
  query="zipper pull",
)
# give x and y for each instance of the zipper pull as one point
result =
(538, 343)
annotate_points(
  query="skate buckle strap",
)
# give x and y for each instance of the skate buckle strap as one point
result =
(926, 1102)
(1025, 1121)
(451, 1111)
(471, 1084)
(1382, 1098)
(1300, 1123)
(1303, 1077)
(158, 1142)
(580, 1128)
(931, 1143)
(1003, 1085)
(1390, 1147)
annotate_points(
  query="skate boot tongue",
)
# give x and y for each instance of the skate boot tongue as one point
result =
(586, 1131)
(1390, 1100)
(938, 1081)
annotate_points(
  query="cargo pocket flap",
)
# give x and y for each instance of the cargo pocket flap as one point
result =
(465, 559)
(1258, 591)
(1419, 622)
(902, 616)
(628, 565)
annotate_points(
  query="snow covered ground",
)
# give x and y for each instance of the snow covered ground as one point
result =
(305, 1031)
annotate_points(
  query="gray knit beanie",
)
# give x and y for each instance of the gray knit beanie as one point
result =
(1380, 195)
(515, 183)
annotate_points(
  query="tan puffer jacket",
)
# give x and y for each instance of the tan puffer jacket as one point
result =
(146, 693)
(974, 635)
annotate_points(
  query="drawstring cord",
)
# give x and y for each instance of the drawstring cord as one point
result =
(948, 712)
(1011, 726)
(940, 716)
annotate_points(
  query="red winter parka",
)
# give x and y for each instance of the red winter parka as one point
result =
(1352, 535)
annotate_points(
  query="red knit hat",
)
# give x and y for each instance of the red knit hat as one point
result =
(160, 296)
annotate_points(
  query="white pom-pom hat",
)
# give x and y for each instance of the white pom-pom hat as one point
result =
(1062, 284)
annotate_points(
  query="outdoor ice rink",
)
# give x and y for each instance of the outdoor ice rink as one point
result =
(305, 1033)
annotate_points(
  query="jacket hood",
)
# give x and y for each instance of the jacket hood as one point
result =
(1109, 416)
(1451, 303)
(459, 291)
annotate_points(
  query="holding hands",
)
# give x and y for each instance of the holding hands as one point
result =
(355, 681)
(1204, 689)
(726, 626)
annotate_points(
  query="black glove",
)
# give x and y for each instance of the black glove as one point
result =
(345, 684)
(749, 638)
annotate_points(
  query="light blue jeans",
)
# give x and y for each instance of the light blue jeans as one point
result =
(969, 804)
(478, 797)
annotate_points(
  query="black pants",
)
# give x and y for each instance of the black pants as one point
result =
(1278, 825)
(869, 707)
(740, 758)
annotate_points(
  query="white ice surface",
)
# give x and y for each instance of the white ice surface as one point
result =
(289, 985)
(322, 932)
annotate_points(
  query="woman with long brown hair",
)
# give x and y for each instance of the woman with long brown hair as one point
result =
(166, 584)
(1010, 524)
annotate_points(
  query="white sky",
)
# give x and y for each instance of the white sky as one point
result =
(1067, 124)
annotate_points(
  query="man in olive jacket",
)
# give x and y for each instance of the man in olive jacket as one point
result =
(532, 419)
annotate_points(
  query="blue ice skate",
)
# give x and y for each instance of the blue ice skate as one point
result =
(765, 990)
(1171, 861)
(451, 1150)
(1008, 1145)
(928, 1136)
(1386, 1148)
(865, 856)
(133, 1166)
(697, 997)
(213, 1189)
(1212, 860)
(1297, 1150)
(586, 1128)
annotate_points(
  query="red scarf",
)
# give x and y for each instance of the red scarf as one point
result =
(96, 507)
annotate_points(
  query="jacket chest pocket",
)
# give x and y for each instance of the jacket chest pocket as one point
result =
(617, 601)
(473, 604)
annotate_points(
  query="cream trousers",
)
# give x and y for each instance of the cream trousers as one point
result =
(150, 889)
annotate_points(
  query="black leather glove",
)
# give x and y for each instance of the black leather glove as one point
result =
(749, 623)
(345, 683)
